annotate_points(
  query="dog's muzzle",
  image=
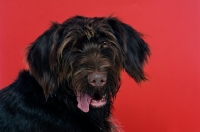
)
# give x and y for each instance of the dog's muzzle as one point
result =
(96, 79)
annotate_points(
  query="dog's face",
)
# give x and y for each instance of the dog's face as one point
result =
(94, 64)
(84, 57)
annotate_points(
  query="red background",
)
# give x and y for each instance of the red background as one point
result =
(170, 100)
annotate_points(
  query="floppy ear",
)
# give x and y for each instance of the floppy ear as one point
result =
(134, 49)
(41, 58)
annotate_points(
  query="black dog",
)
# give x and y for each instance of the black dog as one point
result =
(73, 77)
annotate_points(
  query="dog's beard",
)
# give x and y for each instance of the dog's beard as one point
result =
(99, 114)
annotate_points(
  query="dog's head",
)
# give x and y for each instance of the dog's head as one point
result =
(85, 56)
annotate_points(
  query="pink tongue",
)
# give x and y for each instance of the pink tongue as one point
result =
(83, 101)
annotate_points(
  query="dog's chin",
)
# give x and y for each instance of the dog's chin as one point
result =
(85, 101)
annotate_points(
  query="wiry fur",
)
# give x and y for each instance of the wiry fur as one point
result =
(43, 99)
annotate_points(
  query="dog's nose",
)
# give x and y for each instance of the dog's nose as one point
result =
(97, 78)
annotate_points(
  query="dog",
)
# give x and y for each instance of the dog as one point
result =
(73, 77)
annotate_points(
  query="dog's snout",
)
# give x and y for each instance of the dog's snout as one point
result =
(97, 78)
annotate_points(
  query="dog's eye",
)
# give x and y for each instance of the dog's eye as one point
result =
(103, 44)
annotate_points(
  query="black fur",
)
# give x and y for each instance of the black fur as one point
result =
(45, 98)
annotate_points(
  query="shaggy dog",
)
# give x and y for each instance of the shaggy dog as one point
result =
(73, 77)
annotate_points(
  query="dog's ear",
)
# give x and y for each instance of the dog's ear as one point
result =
(134, 49)
(42, 58)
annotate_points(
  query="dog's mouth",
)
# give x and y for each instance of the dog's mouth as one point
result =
(85, 101)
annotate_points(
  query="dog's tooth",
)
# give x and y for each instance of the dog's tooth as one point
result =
(94, 101)
(102, 100)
